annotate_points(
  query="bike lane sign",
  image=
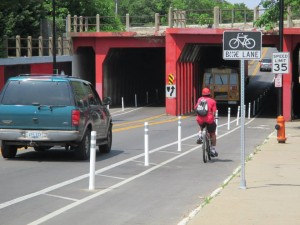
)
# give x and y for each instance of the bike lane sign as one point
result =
(242, 45)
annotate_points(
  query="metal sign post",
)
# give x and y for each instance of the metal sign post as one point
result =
(243, 46)
(243, 179)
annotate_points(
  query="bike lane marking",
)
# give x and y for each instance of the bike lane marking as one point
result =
(113, 187)
(79, 178)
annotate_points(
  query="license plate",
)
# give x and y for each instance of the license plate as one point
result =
(35, 135)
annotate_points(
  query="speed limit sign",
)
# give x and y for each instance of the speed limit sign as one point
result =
(281, 62)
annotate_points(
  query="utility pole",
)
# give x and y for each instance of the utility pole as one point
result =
(281, 8)
(54, 38)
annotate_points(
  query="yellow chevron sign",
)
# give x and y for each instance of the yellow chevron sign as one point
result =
(171, 78)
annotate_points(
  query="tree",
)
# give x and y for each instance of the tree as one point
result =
(270, 18)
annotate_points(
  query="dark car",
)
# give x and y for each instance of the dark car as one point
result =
(43, 111)
(265, 64)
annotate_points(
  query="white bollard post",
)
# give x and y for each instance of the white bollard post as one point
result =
(238, 115)
(217, 121)
(253, 108)
(249, 110)
(135, 100)
(147, 98)
(179, 133)
(146, 145)
(123, 104)
(92, 161)
(258, 105)
(228, 126)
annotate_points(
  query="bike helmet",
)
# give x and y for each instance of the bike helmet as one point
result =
(205, 91)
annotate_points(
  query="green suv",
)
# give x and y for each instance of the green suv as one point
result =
(43, 111)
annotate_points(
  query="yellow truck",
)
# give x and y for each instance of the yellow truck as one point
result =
(224, 83)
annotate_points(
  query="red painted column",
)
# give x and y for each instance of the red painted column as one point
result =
(41, 68)
(100, 54)
(171, 62)
(178, 87)
(190, 87)
(287, 81)
(184, 81)
(1, 77)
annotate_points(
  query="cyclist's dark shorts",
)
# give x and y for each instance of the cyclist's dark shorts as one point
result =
(211, 128)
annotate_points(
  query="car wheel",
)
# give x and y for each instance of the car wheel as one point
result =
(107, 147)
(42, 148)
(82, 151)
(8, 151)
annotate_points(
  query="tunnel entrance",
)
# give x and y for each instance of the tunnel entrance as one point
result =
(136, 75)
(193, 61)
(83, 65)
(296, 84)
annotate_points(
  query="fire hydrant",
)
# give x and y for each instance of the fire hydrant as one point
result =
(280, 127)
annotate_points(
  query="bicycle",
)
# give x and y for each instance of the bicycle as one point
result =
(206, 145)
(243, 40)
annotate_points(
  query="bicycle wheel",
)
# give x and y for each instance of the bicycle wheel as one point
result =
(204, 150)
(250, 43)
(208, 148)
(234, 43)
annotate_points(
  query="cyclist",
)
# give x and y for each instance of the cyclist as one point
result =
(208, 119)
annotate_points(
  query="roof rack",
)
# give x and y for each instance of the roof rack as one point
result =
(41, 75)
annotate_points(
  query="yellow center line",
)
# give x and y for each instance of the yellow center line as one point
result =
(255, 71)
(139, 121)
(150, 124)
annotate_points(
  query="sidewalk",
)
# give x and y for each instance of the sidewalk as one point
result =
(272, 196)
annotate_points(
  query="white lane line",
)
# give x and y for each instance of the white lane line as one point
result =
(72, 205)
(68, 182)
(62, 197)
(143, 162)
(175, 153)
(75, 204)
(65, 183)
(114, 177)
(118, 113)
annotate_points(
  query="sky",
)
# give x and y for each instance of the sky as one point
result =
(251, 4)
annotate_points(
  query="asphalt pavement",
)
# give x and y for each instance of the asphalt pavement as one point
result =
(272, 193)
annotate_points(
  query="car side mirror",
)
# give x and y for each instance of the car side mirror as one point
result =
(107, 101)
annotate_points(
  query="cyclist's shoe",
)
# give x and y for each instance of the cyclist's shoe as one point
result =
(199, 141)
(214, 154)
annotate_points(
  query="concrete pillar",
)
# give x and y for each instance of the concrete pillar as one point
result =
(18, 46)
(41, 49)
(68, 23)
(29, 46)
(75, 24)
(97, 23)
(157, 22)
(171, 18)
(216, 17)
(127, 22)
(289, 17)
(80, 24)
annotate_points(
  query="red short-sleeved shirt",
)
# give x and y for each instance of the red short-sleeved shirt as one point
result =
(212, 108)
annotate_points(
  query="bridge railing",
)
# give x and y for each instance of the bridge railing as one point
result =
(216, 18)
(29, 46)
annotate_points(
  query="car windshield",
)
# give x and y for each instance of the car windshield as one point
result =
(267, 60)
(38, 92)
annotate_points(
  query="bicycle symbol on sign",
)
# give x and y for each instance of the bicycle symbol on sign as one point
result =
(243, 40)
